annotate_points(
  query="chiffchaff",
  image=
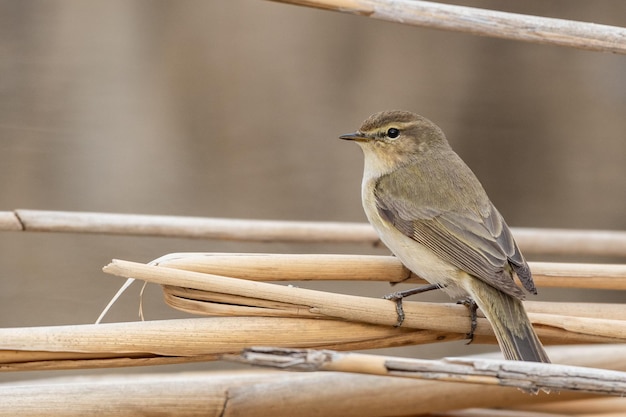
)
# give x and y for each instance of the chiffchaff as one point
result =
(431, 211)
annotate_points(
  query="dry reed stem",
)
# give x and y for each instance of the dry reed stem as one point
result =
(483, 22)
(429, 316)
(218, 304)
(499, 412)
(187, 227)
(50, 361)
(198, 339)
(527, 376)
(532, 241)
(583, 407)
(256, 393)
(304, 267)
(248, 395)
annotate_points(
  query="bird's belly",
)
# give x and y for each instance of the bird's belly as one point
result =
(418, 258)
(423, 262)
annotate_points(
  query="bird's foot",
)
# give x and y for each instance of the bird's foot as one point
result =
(398, 296)
(472, 307)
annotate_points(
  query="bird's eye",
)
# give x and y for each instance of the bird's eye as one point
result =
(393, 133)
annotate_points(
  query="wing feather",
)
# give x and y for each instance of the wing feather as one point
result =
(469, 233)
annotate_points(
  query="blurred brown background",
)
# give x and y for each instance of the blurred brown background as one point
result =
(232, 109)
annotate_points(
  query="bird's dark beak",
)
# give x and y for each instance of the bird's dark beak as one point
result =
(356, 136)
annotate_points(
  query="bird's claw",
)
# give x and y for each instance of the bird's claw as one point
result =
(397, 298)
(472, 307)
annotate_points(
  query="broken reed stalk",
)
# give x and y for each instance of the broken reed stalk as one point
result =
(527, 376)
(483, 22)
(305, 267)
(531, 241)
(188, 340)
(254, 393)
(428, 316)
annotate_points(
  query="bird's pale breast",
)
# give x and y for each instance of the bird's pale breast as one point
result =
(419, 259)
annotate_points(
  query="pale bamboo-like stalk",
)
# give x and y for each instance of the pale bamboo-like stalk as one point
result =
(186, 227)
(279, 267)
(278, 394)
(429, 316)
(597, 406)
(304, 267)
(331, 305)
(188, 340)
(218, 304)
(527, 376)
(483, 22)
(531, 241)
(251, 395)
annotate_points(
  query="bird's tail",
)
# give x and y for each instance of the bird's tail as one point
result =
(510, 323)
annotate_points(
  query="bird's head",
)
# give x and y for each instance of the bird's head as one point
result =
(393, 138)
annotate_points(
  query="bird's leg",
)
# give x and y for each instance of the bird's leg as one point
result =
(399, 295)
(472, 307)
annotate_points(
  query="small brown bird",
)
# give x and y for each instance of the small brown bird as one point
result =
(431, 211)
